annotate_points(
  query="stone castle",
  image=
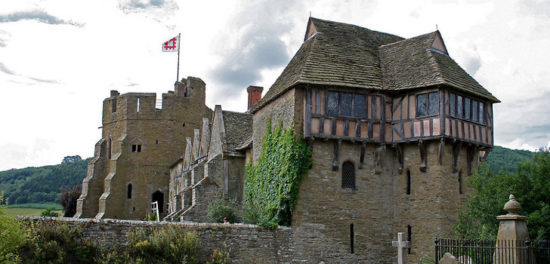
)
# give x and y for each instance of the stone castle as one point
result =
(395, 127)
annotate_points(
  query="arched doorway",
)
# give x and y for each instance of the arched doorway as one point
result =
(158, 197)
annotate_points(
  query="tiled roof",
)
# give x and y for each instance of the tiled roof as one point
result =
(238, 129)
(413, 63)
(347, 55)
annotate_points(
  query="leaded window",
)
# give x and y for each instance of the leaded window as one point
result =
(452, 104)
(421, 105)
(346, 104)
(348, 175)
(467, 108)
(359, 105)
(475, 108)
(459, 109)
(433, 106)
(427, 104)
(332, 103)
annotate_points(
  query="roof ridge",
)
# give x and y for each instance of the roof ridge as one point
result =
(408, 39)
(235, 112)
(353, 25)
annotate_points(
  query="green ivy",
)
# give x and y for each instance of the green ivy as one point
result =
(272, 186)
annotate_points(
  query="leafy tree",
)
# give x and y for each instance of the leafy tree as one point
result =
(531, 186)
(68, 199)
(71, 159)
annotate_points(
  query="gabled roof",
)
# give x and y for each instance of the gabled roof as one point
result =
(414, 63)
(341, 54)
(238, 129)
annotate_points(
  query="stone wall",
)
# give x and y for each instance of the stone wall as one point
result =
(248, 243)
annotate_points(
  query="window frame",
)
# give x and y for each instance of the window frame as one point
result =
(353, 180)
(481, 112)
(353, 105)
(428, 104)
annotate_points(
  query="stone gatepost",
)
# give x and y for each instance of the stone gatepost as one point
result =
(512, 234)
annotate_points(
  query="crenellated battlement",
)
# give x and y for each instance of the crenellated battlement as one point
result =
(187, 94)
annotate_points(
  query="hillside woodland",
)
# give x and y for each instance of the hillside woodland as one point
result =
(44, 184)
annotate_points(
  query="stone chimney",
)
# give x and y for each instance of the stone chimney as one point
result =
(254, 95)
(114, 93)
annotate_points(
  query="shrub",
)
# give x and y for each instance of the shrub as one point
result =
(169, 244)
(220, 256)
(220, 209)
(57, 243)
(12, 235)
(49, 212)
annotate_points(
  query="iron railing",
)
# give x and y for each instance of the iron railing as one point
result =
(491, 251)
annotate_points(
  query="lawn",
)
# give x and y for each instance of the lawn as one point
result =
(31, 209)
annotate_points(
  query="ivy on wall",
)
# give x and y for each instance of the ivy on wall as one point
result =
(272, 186)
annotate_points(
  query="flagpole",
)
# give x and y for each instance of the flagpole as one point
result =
(179, 45)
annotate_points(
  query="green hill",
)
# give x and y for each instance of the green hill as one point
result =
(42, 184)
(506, 159)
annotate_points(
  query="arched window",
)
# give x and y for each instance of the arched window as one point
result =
(129, 191)
(348, 175)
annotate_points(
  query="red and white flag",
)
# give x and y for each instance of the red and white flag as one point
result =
(171, 45)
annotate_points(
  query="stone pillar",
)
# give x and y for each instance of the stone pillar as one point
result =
(512, 234)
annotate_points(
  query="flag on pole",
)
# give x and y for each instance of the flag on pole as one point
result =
(171, 45)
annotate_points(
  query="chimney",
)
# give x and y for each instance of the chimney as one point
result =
(254, 94)
(114, 93)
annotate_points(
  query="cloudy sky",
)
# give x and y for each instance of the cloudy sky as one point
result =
(60, 58)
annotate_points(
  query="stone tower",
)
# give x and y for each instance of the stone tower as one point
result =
(395, 126)
(131, 164)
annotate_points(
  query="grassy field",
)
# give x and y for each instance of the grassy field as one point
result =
(31, 209)
(57, 206)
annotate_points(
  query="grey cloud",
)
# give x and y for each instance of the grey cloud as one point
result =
(258, 48)
(5, 69)
(43, 80)
(541, 8)
(2, 43)
(140, 5)
(526, 119)
(37, 15)
(473, 64)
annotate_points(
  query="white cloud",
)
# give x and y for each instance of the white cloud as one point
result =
(55, 75)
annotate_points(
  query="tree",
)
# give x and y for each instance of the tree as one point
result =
(531, 186)
(68, 199)
(49, 212)
(71, 159)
